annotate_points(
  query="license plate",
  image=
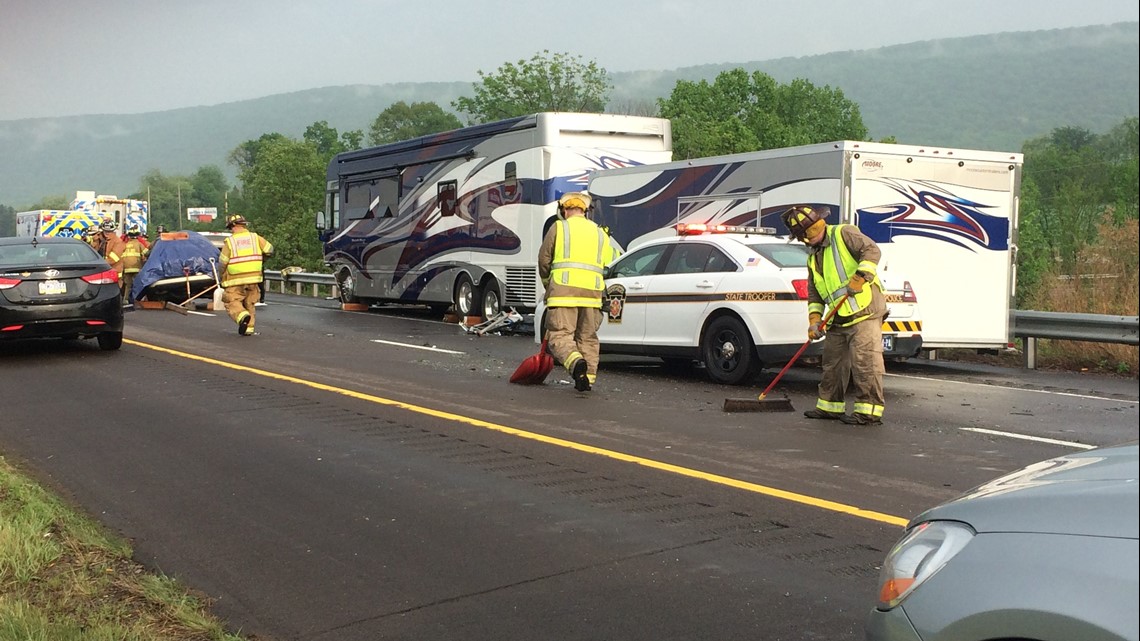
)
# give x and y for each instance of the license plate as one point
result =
(49, 287)
(888, 343)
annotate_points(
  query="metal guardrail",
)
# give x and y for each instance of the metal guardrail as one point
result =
(1093, 328)
(1030, 325)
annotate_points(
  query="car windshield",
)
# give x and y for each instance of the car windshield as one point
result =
(45, 254)
(782, 254)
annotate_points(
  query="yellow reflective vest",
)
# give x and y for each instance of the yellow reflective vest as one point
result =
(581, 250)
(831, 281)
(133, 254)
(241, 258)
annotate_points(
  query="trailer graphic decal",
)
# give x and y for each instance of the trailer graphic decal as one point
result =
(931, 211)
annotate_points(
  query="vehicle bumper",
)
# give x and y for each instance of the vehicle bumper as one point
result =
(892, 625)
(904, 347)
(44, 321)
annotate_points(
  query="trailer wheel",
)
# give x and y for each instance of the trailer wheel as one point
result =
(491, 301)
(727, 352)
(465, 295)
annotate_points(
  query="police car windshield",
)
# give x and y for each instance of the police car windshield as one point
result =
(782, 254)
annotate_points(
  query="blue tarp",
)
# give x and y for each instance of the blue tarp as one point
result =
(175, 258)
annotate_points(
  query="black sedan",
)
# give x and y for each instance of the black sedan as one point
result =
(58, 287)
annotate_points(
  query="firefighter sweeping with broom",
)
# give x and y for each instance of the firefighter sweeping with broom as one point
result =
(842, 268)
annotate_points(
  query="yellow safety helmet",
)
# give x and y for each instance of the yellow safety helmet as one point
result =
(574, 200)
(805, 222)
(235, 219)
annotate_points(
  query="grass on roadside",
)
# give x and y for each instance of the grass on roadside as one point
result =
(62, 578)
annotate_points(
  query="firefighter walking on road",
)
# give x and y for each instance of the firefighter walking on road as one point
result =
(570, 263)
(241, 260)
(843, 269)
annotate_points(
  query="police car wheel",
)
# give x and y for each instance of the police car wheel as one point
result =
(727, 352)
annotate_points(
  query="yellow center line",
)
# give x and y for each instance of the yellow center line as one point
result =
(550, 440)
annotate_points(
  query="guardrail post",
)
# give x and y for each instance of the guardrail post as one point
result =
(1030, 347)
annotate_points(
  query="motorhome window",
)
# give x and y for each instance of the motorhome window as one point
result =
(372, 198)
(510, 181)
(448, 193)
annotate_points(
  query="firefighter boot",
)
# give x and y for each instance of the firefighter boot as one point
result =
(815, 412)
(581, 380)
(243, 323)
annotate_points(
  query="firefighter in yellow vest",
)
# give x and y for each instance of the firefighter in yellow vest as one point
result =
(843, 262)
(241, 260)
(134, 255)
(570, 263)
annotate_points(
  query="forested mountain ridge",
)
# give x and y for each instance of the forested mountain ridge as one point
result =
(985, 92)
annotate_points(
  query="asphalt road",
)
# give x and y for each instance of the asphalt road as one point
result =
(373, 475)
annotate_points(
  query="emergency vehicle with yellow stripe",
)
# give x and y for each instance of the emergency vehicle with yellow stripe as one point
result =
(87, 210)
(731, 298)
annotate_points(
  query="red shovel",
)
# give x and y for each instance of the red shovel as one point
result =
(534, 369)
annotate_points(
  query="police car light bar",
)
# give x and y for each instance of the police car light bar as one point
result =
(695, 229)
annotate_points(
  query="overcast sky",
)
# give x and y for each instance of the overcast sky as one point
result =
(69, 57)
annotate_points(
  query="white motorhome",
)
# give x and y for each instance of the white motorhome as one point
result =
(947, 218)
(456, 218)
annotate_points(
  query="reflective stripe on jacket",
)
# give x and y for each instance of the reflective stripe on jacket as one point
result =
(133, 256)
(581, 250)
(242, 258)
(838, 267)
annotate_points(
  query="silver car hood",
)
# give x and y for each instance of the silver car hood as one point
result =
(1093, 493)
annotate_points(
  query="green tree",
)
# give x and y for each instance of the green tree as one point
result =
(208, 187)
(1073, 182)
(282, 188)
(739, 112)
(168, 197)
(546, 82)
(402, 121)
(7, 221)
(328, 142)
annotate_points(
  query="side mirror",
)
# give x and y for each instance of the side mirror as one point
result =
(321, 222)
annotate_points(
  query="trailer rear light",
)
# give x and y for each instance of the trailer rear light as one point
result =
(11, 328)
(800, 284)
(96, 322)
(908, 293)
(108, 277)
(8, 283)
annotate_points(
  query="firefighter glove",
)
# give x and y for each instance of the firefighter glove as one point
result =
(815, 327)
(855, 285)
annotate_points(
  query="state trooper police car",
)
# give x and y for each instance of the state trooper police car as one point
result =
(732, 298)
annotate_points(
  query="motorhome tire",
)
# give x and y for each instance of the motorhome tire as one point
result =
(345, 285)
(466, 295)
(491, 302)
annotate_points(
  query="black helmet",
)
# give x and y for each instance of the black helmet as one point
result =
(800, 218)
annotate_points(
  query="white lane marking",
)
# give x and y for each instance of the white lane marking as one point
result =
(1039, 439)
(190, 311)
(430, 349)
(1019, 389)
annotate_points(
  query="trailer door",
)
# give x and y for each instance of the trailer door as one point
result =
(946, 224)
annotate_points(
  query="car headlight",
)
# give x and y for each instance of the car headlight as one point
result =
(918, 556)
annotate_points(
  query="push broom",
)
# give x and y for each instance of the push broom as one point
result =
(763, 404)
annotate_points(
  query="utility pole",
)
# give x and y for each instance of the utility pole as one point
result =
(180, 225)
